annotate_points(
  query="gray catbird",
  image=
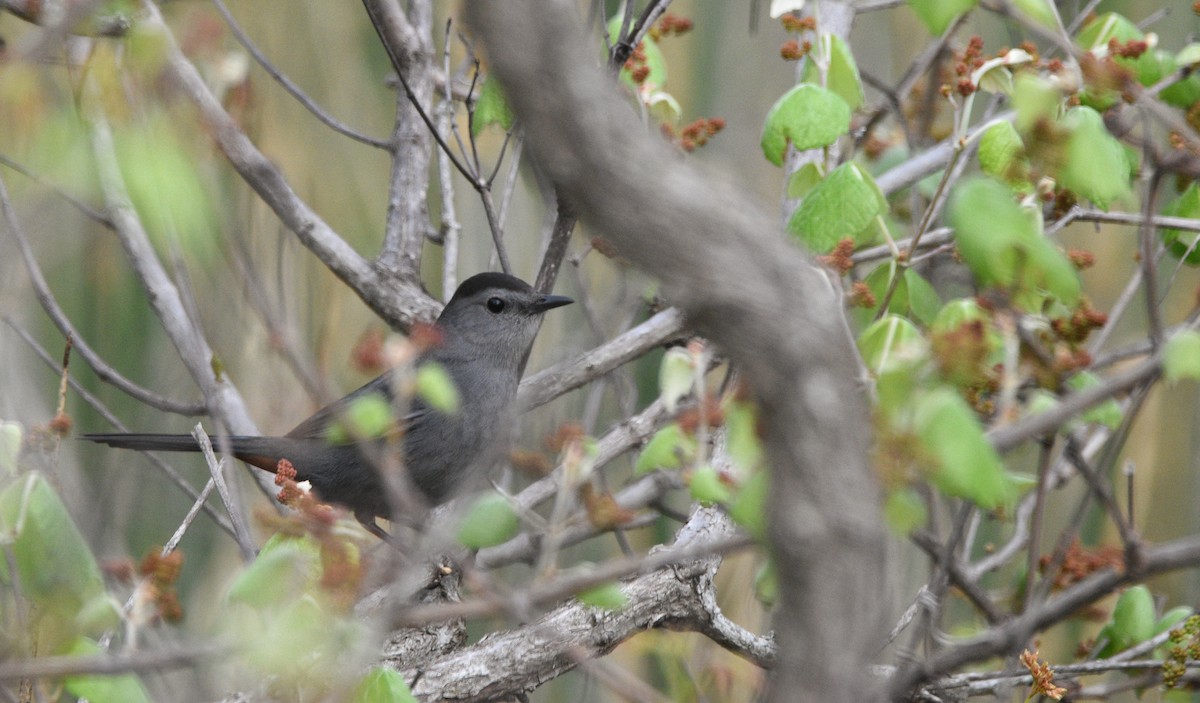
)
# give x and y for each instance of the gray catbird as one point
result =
(487, 330)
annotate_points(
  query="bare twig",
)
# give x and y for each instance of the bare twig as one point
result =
(548, 384)
(290, 86)
(41, 290)
(122, 663)
(217, 469)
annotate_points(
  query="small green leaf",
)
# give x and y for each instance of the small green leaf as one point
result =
(766, 584)
(1094, 166)
(966, 464)
(1002, 155)
(366, 417)
(1183, 245)
(663, 107)
(1003, 245)
(434, 386)
(1181, 357)
(1171, 618)
(121, 688)
(892, 341)
(490, 521)
(749, 508)
(842, 76)
(840, 206)
(894, 390)
(657, 77)
(676, 377)
(782, 7)
(669, 448)
(55, 568)
(11, 434)
(807, 117)
(803, 180)
(1107, 413)
(278, 575)
(904, 510)
(608, 596)
(1188, 55)
(707, 487)
(491, 108)
(965, 311)
(1097, 33)
(1133, 620)
(383, 685)
(1040, 10)
(937, 15)
(741, 433)
(913, 297)
(1035, 99)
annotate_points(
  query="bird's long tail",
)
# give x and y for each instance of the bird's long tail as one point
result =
(257, 451)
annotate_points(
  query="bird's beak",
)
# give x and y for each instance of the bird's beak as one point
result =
(549, 302)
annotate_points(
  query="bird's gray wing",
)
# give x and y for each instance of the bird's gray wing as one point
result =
(317, 425)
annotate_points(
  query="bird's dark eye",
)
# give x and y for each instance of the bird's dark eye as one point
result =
(495, 304)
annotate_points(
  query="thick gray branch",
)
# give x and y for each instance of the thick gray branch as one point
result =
(725, 263)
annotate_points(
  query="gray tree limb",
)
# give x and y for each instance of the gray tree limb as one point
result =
(725, 263)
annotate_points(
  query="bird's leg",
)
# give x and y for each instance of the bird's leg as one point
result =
(369, 524)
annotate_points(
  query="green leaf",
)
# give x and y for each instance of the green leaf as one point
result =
(490, 521)
(1171, 618)
(1094, 166)
(434, 386)
(383, 685)
(707, 487)
(669, 448)
(280, 573)
(1002, 243)
(1040, 10)
(803, 180)
(741, 433)
(749, 508)
(1133, 620)
(663, 107)
(491, 108)
(966, 464)
(1035, 99)
(894, 389)
(807, 117)
(1097, 33)
(1183, 245)
(273, 644)
(937, 15)
(904, 510)
(657, 77)
(892, 341)
(1002, 155)
(607, 596)
(766, 584)
(1107, 413)
(1181, 357)
(366, 417)
(842, 76)
(676, 377)
(962, 311)
(840, 206)
(120, 688)
(11, 434)
(913, 297)
(54, 566)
